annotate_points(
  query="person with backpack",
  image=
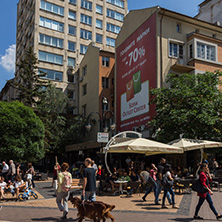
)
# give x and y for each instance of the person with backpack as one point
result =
(205, 179)
(167, 183)
(64, 184)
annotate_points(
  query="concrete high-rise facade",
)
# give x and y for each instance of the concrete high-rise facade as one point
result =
(60, 32)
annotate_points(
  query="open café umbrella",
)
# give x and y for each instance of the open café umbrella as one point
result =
(194, 144)
(143, 146)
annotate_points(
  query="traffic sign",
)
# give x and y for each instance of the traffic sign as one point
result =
(102, 137)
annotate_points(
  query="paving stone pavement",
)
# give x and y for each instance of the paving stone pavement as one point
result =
(127, 209)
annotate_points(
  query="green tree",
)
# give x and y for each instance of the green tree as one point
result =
(21, 133)
(30, 83)
(51, 111)
(191, 106)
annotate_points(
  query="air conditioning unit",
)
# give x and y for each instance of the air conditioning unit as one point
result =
(80, 79)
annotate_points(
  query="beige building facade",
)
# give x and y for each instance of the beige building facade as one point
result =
(96, 95)
(182, 45)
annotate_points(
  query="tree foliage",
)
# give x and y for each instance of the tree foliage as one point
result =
(21, 133)
(30, 83)
(60, 130)
(191, 106)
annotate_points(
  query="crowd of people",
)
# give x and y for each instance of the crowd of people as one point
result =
(13, 179)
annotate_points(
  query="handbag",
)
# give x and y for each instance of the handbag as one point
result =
(198, 187)
(166, 183)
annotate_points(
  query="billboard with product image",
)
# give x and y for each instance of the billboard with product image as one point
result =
(136, 75)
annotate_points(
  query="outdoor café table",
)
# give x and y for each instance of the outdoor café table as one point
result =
(120, 182)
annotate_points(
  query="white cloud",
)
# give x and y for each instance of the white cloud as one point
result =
(7, 61)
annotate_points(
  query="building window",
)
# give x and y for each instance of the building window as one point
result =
(112, 28)
(52, 8)
(72, 30)
(190, 51)
(84, 89)
(99, 9)
(71, 94)
(105, 61)
(110, 41)
(207, 52)
(99, 24)
(72, 15)
(71, 46)
(86, 4)
(119, 3)
(85, 34)
(51, 41)
(176, 50)
(72, 2)
(52, 74)
(71, 61)
(105, 82)
(86, 19)
(84, 70)
(50, 57)
(99, 38)
(179, 28)
(51, 24)
(83, 49)
(71, 79)
(115, 15)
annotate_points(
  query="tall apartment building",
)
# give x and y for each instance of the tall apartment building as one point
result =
(60, 32)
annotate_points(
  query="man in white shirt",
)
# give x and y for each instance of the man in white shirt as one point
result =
(5, 170)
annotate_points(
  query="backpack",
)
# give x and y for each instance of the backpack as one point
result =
(66, 184)
(166, 183)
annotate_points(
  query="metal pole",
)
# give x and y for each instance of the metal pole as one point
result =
(112, 140)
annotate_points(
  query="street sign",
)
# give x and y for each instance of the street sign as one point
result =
(102, 137)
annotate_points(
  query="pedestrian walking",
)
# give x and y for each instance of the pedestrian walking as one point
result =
(89, 181)
(5, 171)
(30, 175)
(152, 184)
(63, 191)
(11, 172)
(205, 179)
(215, 166)
(167, 186)
(159, 176)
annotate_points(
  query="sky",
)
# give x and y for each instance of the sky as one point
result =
(8, 10)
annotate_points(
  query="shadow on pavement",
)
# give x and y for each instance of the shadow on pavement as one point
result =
(53, 219)
(183, 219)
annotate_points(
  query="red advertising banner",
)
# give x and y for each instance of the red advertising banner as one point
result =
(136, 75)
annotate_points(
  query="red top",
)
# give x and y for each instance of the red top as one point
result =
(203, 179)
(99, 171)
(55, 171)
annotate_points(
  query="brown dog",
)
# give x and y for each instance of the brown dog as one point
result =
(95, 210)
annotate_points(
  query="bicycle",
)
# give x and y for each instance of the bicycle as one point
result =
(28, 192)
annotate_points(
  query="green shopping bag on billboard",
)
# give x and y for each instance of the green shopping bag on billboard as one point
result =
(137, 82)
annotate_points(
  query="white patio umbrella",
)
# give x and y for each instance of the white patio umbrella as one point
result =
(143, 146)
(194, 144)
